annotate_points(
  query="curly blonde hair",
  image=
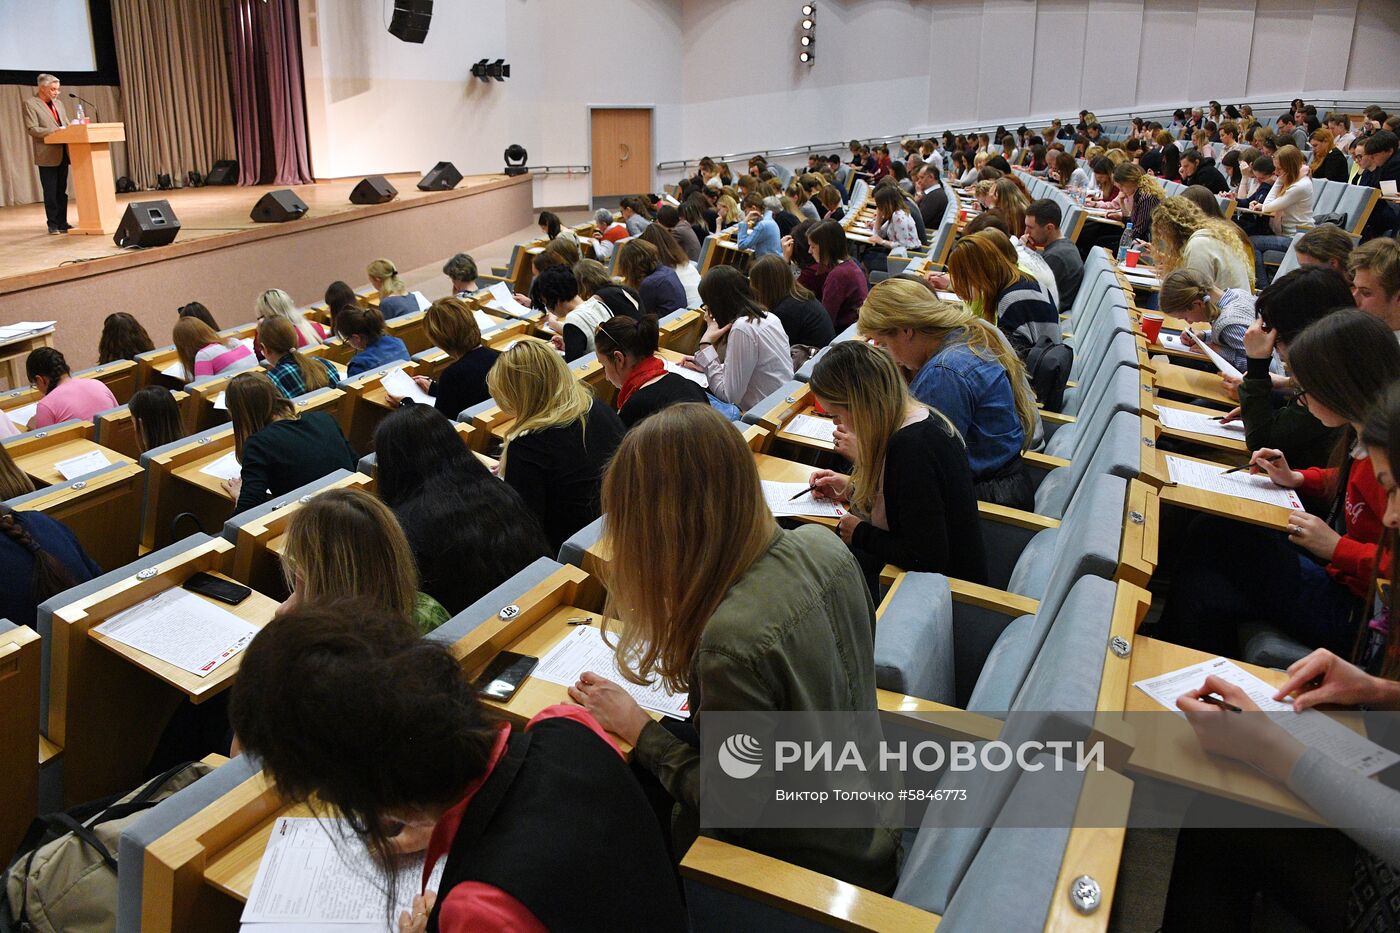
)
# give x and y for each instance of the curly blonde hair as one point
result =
(1176, 220)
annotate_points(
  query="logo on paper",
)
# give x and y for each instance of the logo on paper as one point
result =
(740, 756)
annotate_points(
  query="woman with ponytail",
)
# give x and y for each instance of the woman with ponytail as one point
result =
(39, 558)
(626, 348)
(292, 372)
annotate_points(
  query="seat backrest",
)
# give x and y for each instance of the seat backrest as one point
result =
(1290, 258)
(1118, 452)
(1087, 543)
(488, 606)
(914, 640)
(1357, 202)
(1326, 195)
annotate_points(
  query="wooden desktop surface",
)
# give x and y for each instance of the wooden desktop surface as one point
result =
(40, 463)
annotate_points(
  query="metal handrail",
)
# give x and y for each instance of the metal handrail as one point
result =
(1110, 116)
(560, 169)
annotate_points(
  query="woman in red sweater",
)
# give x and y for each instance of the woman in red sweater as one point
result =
(1312, 581)
(844, 288)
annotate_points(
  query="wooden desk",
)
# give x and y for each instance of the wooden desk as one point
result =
(168, 495)
(1214, 503)
(38, 459)
(105, 712)
(810, 409)
(1236, 450)
(19, 733)
(1171, 752)
(15, 351)
(103, 512)
(777, 470)
(683, 334)
(1193, 383)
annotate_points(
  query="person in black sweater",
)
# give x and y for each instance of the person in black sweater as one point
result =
(626, 349)
(278, 449)
(802, 315)
(462, 383)
(1198, 170)
(469, 532)
(560, 441)
(911, 497)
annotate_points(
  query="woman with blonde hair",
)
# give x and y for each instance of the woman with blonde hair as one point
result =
(728, 213)
(1288, 206)
(394, 296)
(1010, 199)
(722, 602)
(982, 275)
(560, 440)
(278, 450)
(276, 303)
(346, 544)
(1327, 162)
(289, 369)
(1138, 196)
(1193, 295)
(1183, 237)
(910, 498)
(963, 367)
(202, 352)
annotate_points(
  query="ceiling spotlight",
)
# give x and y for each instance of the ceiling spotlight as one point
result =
(806, 40)
(805, 57)
(807, 24)
(808, 9)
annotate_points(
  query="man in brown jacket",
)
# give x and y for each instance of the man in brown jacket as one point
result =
(43, 114)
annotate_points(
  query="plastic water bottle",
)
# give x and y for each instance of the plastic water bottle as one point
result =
(1126, 242)
(81, 118)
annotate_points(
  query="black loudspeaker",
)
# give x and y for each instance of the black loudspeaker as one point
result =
(441, 177)
(224, 172)
(373, 190)
(278, 207)
(411, 20)
(147, 223)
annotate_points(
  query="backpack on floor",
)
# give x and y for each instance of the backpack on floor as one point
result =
(64, 876)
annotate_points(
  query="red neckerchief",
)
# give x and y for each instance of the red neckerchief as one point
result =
(644, 372)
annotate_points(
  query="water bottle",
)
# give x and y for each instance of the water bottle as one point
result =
(1126, 242)
(81, 118)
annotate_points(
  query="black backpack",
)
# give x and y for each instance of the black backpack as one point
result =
(1047, 366)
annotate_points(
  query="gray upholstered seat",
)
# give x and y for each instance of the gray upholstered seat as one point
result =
(260, 512)
(1118, 390)
(791, 388)
(1119, 452)
(489, 605)
(571, 551)
(1266, 646)
(914, 640)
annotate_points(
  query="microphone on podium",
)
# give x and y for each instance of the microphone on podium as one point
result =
(85, 101)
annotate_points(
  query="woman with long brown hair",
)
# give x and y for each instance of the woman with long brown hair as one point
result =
(123, 338)
(278, 450)
(996, 288)
(801, 314)
(202, 352)
(290, 370)
(641, 268)
(721, 602)
(910, 496)
(1288, 206)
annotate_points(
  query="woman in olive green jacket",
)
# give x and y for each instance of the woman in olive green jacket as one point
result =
(716, 599)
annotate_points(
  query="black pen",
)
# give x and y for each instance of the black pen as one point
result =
(803, 493)
(1246, 466)
(1216, 701)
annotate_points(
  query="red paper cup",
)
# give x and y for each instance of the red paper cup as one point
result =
(1151, 325)
(1132, 258)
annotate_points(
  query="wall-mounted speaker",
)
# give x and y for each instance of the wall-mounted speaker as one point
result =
(373, 190)
(411, 20)
(277, 207)
(441, 177)
(147, 223)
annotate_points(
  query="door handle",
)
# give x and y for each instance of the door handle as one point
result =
(626, 151)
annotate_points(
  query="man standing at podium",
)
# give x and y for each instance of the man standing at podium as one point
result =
(44, 114)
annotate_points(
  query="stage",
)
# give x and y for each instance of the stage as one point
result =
(223, 259)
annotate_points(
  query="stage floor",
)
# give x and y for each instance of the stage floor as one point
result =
(210, 218)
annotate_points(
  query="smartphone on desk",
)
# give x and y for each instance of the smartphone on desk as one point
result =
(225, 591)
(504, 675)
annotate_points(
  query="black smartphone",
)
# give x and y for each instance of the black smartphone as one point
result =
(225, 591)
(504, 675)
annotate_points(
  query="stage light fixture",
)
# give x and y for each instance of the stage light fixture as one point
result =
(806, 58)
(808, 9)
(487, 71)
(516, 157)
(807, 41)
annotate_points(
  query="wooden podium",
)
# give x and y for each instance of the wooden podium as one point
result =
(90, 152)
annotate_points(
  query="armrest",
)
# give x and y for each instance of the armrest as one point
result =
(1054, 417)
(937, 717)
(1044, 462)
(1006, 532)
(985, 597)
(797, 891)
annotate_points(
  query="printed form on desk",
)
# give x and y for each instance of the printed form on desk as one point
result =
(1197, 423)
(584, 649)
(700, 379)
(225, 468)
(1213, 478)
(783, 499)
(82, 464)
(503, 299)
(813, 427)
(400, 384)
(182, 629)
(317, 877)
(1310, 727)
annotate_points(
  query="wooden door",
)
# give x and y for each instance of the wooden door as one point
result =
(621, 152)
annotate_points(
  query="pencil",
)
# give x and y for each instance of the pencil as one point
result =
(1246, 466)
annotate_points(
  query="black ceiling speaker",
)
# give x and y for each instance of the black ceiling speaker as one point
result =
(224, 172)
(147, 223)
(278, 207)
(373, 190)
(441, 177)
(411, 20)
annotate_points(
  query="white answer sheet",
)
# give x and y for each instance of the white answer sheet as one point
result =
(317, 877)
(1197, 423)
(226, 467)
(1257, 488)
(584, 649)
(1310, 727)
(21, 416)
(82, 464)
(699, 379)
(781, 501)
(502, 298)
(1174, 342)
(813, 427)
(182, 629)
(400, 384)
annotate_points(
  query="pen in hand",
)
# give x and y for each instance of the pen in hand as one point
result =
(809, 489)
(1216, 701)
(1246, 466)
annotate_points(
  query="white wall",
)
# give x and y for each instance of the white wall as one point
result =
(723, 75)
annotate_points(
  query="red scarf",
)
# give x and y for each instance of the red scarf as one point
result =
(644, 372)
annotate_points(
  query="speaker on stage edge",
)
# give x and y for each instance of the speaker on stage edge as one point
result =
(373, 190)
(411, 20)
(147, 223)
(224, 172)
(441, 177)
(278, 207)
